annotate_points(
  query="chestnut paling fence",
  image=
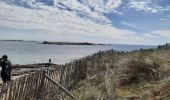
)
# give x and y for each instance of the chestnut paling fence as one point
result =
(50, 84)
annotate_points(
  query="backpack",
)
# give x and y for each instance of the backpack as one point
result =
(8, 67)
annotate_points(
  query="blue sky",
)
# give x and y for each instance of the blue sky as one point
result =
(100, 21)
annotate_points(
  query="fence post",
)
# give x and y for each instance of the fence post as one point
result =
(61, 87)
(61, 75)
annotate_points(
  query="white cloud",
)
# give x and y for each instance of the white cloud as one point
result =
(147, 6)
(156, 37)
(163, 19)
(103, 5)
(59, 25)
(129, 24)
(93, 9)
(162, 33)
(89, 9)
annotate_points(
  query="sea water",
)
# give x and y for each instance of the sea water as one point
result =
(20, 52)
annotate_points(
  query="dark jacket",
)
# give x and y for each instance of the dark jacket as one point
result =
(6, 66)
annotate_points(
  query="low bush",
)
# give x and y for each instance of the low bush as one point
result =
(138, 71)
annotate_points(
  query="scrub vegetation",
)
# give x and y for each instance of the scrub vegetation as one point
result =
(136, 75)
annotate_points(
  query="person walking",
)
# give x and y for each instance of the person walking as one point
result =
(6, 69)
(49, 61)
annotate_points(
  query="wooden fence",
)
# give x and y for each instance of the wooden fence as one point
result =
(24, 88)
(36, 86)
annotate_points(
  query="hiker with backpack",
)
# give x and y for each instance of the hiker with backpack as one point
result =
(6, 69)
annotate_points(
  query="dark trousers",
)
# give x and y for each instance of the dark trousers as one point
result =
(5, 77)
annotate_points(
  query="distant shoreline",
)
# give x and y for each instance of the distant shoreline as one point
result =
(57, 43)
(70, 43)
(19, 40)
(73, 43)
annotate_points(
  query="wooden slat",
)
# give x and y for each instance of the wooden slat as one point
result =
(6, 91)
(25, 87)
(17, 88)
(33, 84)
(10, 92)
(21, 88)
(13, 91)
(40, 79)
(28, 94)
(41, 84)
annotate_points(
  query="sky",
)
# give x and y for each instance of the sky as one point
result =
(99, 21)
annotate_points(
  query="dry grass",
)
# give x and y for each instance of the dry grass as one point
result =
(98, 87)
(138, 71)
(133, 75)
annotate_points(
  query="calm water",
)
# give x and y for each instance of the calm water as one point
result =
(33, 52)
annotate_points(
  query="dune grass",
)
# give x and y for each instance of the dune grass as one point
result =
(132, 75)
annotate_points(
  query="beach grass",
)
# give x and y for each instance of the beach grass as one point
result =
(143, 74)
